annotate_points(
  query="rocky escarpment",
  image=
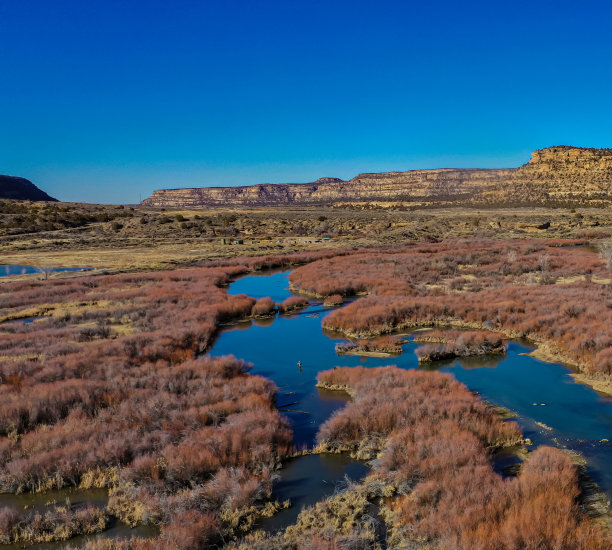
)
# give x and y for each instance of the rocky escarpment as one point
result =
(562, 175)
(554, 176)
(21, 189)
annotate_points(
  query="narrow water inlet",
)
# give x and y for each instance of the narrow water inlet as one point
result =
(307, 479)
(75, 498)
(7, 270)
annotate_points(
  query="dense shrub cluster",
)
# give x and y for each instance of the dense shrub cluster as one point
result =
(465, 265)
(452, 343)
(434, 435)
(382, 344)
(263, 307)
(293, 303)
(506, 286)
(386, 399)
(333, 301)
(105, 390)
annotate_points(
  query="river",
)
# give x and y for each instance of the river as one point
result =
(551, 408)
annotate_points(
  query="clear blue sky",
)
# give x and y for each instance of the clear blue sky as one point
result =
(107, 100)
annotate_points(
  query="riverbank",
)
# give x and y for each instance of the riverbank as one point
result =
(408, 496)
(544, 351)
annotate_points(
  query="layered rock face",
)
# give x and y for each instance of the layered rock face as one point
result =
(21, 189)
(563, 175)
(555, 175)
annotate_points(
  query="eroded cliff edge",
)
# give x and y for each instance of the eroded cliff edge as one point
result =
(555, 176)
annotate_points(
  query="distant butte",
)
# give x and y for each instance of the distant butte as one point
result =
(555, 176)
(21, 189)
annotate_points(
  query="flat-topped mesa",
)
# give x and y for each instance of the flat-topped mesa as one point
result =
(556, 175)
(563, 160)
(569, 154)
(412, 186)
(564, 175)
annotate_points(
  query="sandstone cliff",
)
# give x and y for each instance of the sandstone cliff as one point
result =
(559, 176)
(21, 189)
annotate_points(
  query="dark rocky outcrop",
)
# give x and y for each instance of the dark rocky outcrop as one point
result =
(21, 189)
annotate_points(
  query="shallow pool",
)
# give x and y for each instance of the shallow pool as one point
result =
(11, 269)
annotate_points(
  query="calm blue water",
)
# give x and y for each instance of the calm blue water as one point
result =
(6, 270)
(275, 285)
(538, 392)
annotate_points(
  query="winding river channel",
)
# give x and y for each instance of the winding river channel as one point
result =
(550, 407)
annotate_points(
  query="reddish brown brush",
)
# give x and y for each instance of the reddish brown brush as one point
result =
(108, 392)
(434, 435)
(453, 343)
(263, 307)
(506, 286)
(333, 300)
(293, 303)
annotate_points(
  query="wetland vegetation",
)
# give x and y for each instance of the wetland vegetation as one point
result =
(554, 295)
(111, 387)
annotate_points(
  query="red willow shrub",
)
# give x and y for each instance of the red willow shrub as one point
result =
(386, 399)
(105, 391)
(382, 344)
(498, 285)
(449, 344)
(263, 307)
(407, 271)
(292, 303)
(434, 435)
(177, 429)
(333, 300)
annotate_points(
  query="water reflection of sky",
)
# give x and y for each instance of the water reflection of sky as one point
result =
(7, 270)
(540, 392)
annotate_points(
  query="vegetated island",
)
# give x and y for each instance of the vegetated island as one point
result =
(383, 346)
(556, 296)
(450, 344)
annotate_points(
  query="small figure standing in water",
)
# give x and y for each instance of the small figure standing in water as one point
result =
(300, 365)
